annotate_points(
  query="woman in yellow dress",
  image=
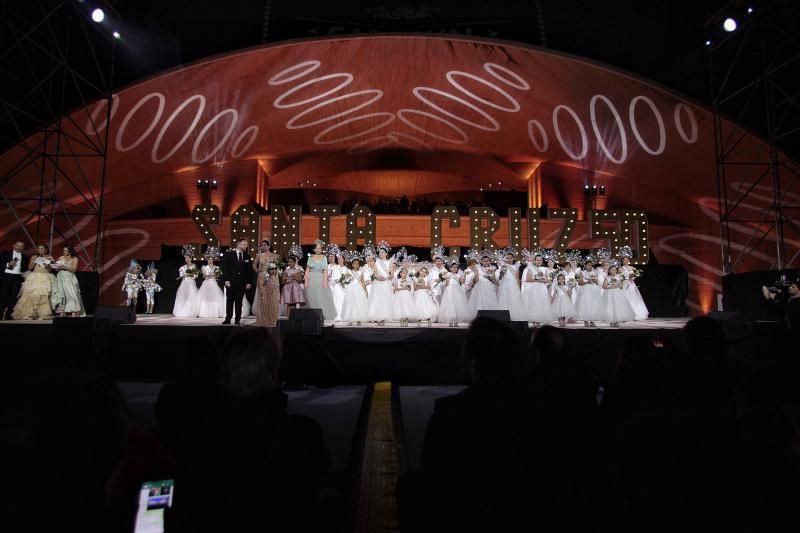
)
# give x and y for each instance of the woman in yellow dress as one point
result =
(34, 298)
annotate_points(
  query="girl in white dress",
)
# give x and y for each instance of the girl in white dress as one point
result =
(454, 307)
(570, 276)
(508, 295)
(381, 297)
(355, 307)
(336, 267)
(186, 297)
(424, 300)
(484, 285)
(368, 270)
(404, 308)
(210, 298)
(617, 307)
(563, 308)
(589, 305)
(536, 296)
(629, 273)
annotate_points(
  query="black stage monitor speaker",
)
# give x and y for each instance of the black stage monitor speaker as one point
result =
(302, 322)
(118, 313)
(306, 313)
(502, 315)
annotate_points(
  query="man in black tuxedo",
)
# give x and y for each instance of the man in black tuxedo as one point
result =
(237, 273)
(13, 264)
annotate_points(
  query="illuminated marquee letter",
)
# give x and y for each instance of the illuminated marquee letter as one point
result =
(246, 224)
(439, 213)
(604, 225)
(515, 228)
(483, 236)
(634, 234)
(205, 216)
(570, 216)
(325, 212)
(533, 228)
(285, 228)
(356, 231)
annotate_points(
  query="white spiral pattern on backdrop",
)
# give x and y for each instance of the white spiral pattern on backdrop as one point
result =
(326, 98)
(237, 148)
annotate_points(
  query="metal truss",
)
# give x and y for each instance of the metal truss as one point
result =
(55, 62)
(754, 85)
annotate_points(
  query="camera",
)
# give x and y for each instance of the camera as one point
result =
(781, 286)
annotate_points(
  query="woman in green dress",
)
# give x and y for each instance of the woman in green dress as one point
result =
(66, 297)
(318, 294)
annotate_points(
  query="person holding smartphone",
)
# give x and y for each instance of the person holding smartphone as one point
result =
(13, 263)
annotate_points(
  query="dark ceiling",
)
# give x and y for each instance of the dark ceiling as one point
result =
(663, 40)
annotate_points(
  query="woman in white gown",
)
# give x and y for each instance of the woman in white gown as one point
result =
(404, 308)
(355, 307)
(563, 308)
(618, 309)
(424, 300)
(210, 298)
(186, 297)
(629, 273)
(484, 285)
(508, 294)
(336, 267)
(589, 305)
(536, 295)
(454, 307)
(381, 297)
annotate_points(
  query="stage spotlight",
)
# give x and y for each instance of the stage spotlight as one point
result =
(708, 43)
(749, 10)
(602, 190)
(98, 15)
(116, 35)
(729, 25)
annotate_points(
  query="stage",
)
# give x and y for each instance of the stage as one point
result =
(161, 347)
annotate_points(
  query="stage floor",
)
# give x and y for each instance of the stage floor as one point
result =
(163, 348)
(169, 320)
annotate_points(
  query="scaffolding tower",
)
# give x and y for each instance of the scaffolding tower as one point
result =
(753, 65)
(56, 63)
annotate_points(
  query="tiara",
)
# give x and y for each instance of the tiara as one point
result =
(296, 251)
